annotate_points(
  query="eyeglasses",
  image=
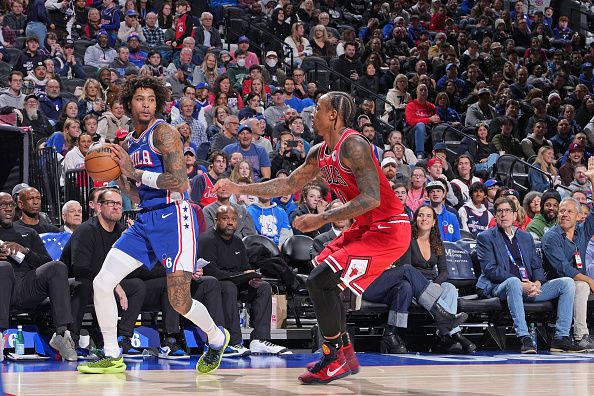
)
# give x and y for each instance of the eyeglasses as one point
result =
(7, 205)
(111, 204)
(504, 211)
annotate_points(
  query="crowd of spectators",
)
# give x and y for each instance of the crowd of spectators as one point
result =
(514, 81)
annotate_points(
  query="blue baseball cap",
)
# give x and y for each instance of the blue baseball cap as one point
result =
(586, 65)
(243, 39)
(131, 13)
(244, 127)
(491, 183)
(202, 85)
(102, 32)
(133, 36)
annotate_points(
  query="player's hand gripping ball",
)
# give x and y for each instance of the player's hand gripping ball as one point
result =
(100, 165)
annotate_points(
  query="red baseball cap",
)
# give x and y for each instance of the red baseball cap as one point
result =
(432, 162)
(121, 134)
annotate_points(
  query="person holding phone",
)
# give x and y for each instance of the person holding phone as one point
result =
(290, 153)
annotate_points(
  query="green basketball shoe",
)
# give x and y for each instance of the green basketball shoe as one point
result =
(211, 358)
(103, 365)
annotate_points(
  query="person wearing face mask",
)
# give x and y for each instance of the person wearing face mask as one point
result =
(271, 72)
(238, 72)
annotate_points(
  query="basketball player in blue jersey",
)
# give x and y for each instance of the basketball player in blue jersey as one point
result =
(166, 229)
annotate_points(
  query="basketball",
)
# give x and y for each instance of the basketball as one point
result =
(99, 164)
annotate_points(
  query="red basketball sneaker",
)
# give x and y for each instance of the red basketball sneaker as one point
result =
(350, 356)
(332, 366)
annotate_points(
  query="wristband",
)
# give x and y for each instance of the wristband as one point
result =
(150, 179)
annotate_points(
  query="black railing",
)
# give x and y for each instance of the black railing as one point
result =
(44, 174)
(515, 179)
(77, 187)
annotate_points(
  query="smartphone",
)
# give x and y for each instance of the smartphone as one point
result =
(292, 143)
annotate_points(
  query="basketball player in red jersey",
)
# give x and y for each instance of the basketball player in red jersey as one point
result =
(379, 235)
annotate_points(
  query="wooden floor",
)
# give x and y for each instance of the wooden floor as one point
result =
(433, 378)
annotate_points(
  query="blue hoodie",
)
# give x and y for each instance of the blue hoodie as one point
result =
(271, 221)
(449, 227)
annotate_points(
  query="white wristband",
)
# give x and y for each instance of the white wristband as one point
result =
(150, 179)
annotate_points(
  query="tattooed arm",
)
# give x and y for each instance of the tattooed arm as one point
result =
(277, 187)
(167, 140)
(356, 154)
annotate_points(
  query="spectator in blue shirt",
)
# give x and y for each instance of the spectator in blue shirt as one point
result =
(251, 152)
(290, 99)
(562, 33)
(270, 220)
(564, 251)
(449, 226)
(512, 270)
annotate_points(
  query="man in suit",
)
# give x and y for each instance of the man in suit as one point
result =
(512, 270)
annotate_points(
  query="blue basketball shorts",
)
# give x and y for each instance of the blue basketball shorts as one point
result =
(167, 235)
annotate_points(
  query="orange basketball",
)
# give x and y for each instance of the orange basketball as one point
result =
(99, 164)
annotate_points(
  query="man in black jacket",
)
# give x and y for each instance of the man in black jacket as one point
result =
(28, 276)
(88, 248)
(349, 65)
(227, 257)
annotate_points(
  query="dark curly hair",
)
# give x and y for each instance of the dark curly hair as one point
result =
(132, 84)
(434, 235)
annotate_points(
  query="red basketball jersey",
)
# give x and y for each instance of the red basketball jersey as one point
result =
(342, 181)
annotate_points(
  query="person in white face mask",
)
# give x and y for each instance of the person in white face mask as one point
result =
(238, 72)
(272, 73)
(243, 43)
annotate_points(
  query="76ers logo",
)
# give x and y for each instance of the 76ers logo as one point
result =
(332, 175)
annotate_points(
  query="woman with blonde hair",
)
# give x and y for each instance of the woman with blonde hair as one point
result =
(545, 161)
(186, 132)
(63, 141)
(299, 46)
(208, 72)
(397, 96)
(243, 169)
(92, 100)
(320, 44)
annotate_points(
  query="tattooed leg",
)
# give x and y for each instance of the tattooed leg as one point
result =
(178, 290)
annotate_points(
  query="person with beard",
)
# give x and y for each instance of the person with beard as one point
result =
(122, 63)
(52, 103)
(35, 119)
(579, 183)
(29, 202)
(37, 79)
(547, 218)
(245, 224)
(12, 96)
(100, 54)
(137, 56)
(68, 64)
(271, 72)
(575, 158)
(349, 65)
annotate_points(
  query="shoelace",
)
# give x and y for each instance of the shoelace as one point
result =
(212, 356)
(268, 343)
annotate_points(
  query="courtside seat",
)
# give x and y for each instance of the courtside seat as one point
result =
(252, 240)
(296, 251)
(473, 304)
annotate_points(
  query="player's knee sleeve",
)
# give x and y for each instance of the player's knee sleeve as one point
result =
(116, 266)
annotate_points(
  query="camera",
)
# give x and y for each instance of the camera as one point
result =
(292, 143)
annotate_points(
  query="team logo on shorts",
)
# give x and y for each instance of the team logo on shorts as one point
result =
(166, 261)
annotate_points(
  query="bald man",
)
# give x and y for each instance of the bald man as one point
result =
(227, 257)
(29, 201)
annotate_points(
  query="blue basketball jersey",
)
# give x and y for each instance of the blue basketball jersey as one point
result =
(146, 156)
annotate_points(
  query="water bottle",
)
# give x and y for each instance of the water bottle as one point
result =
(244, 317)
(19, 342)
(533, 336)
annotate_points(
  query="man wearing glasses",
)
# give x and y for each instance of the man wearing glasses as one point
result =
(28, 276)
(512, 270)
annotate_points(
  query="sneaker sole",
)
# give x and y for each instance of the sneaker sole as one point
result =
(324, 382)
(530, 351)
(559, 350)
(227, 340)
(120, 368)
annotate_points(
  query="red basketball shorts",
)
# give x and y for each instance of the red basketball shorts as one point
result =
(361, 254)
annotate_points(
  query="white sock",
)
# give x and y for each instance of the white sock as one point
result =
(116, 266)
(199, 315)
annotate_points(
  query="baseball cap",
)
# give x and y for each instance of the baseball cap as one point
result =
(224, 52)
(388, 160)
(574, 147)
(281, 171)
(586, 65)
(18, 188)
(483, 91)
(133, 36)
(271, 53)
(69, 43)
(202, 85)
(190, 150)
(491, 183)
(243, 127)
(131, 13)
(433, 161)
(440, 146)
(496, 44)
(31, 96)
(102, 33)
(433, 185)
(277, 90)
(39, 64)
(243, 39)
(553, 94)
(121, 134)
(450, 65)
